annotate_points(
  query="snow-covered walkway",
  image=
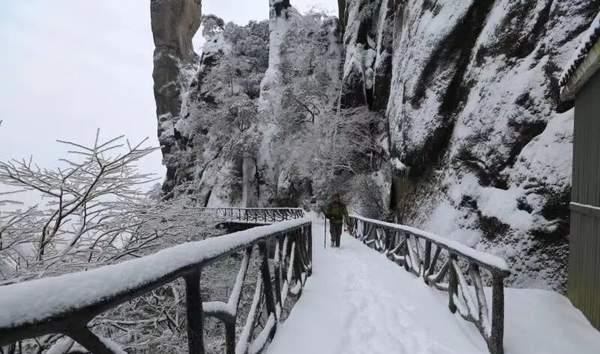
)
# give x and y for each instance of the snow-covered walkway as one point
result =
(359, 302)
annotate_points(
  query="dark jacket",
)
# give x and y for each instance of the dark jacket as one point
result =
(336, 211)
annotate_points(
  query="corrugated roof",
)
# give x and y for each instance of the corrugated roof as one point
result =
(578, 70)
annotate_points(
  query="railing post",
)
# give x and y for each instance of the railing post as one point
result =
(427, 260)
(496, 342)
(388, 238)
(310, 247)
(277, 271)
(230, 337)
(195, 318)
(89, 341)
(406, 253)
(452, 283)
(266, 274)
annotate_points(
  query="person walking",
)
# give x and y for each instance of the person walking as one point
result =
(336, 212)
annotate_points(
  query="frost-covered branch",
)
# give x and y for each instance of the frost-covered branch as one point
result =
(87, 199)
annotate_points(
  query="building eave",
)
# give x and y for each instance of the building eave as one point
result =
(584, 63)
(584, 71)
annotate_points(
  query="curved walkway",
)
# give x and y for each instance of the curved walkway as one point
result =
(358, 302)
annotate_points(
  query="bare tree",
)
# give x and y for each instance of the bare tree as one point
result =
(350, 141)
(92, 212)
(82, 205)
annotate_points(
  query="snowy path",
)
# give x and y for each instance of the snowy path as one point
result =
(358, 302)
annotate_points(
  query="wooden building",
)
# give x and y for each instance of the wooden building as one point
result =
(581, 83)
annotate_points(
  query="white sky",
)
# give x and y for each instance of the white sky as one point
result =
(69, 67)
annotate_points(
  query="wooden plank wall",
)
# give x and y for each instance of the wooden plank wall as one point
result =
(584, 258)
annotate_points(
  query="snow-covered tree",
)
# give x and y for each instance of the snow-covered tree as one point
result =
(90, 211)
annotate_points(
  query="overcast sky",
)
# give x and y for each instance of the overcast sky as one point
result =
(69, 67)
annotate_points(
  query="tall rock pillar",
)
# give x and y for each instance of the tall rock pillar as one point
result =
(174, 24)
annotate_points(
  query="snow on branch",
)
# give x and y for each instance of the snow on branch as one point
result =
(81, 203)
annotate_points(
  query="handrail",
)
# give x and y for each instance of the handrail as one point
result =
(66, 304)
(254, 215)
(256, 208)
(440, 263)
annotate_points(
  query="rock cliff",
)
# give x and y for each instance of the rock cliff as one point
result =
(174, 24)
(479, 150)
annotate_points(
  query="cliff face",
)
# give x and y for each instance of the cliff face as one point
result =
(479, 151)
(442, 114)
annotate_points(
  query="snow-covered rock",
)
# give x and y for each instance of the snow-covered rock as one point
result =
(300, 90)
(473, 115)
(209, 132)
(368, 40)
(174, 24)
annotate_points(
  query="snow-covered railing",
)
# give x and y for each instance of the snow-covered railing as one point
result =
(254, 215)
(446, 265)
(67, 304)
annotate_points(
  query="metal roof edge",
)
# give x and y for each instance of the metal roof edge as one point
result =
(588, 67)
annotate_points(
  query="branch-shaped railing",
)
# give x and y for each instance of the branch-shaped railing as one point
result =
(446, 265)
(253, 215)
(67, 304)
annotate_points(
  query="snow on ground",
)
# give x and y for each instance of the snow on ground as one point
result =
(359, 302)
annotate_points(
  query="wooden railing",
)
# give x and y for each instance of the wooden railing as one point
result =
(68, 303)
(254, 215)
(446, 265)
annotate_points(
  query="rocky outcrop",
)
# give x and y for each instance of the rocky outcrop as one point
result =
(174, 24)
(207, 105)
(300, 89)
(368, 38)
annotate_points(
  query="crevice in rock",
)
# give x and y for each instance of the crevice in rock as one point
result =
(526, 45)
(429, 156)
(491, 226)
(454, 50)
(280, 6)
(577, 29)
(526, 132)
(556, 210)
(488, 176)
